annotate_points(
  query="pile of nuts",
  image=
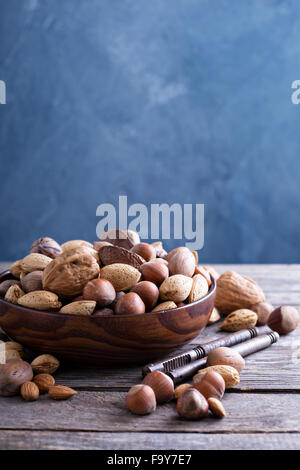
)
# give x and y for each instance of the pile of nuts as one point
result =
(117, 275)
(29, 380)
(243, 304)
(193, 401)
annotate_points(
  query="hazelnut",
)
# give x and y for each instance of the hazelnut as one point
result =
(263, 311)
(32, 281)
(180, 390)
(227, 357)
(13, 375)
(154, 272)
(148, 292)
(103, 312)
(118, 296)
(284, 319)
(211, 384)
(46, 246)
(141, 399)
(130, 304)
(5, 285)
(145, 250)
(161, 384)
(100, 290)
(192, 405)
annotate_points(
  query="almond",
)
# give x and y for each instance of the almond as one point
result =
(29, 391)
(35, 262)
(201, 270)
(230, 374)
(176, 288)
(45, 364)
(111, 254)
(40, 300)
(164, 306)
(214, 317)
(72, 244)
(216, 407)
(44, 382)
(13, 294)
(182, 261)
(212, 271)
(199, 288)
(60, 392)
(81, 307)
(16, 269)
(236, 292)
(239, 320)
(122, 276)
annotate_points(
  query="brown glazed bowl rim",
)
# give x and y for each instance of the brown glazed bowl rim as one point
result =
(8, 275)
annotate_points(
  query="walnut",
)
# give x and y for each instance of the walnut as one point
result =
(67, 274)
(46, 246)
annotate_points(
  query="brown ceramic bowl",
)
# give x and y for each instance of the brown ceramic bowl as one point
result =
(109, 340)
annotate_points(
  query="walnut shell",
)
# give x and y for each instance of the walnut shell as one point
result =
(46, 246)
(67, 274)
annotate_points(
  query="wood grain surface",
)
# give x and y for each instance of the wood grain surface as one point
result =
(263, 410)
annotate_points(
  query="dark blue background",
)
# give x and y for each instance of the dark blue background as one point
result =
(183, 101)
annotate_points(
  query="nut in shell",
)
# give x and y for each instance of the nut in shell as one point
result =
(67, 274)
(5, 285)
(130, 304)
(46, 246)
(168, 305)
(192, 405)
(32, 281)
(122, 276)
(230, 375)
(176, 288)
(226, 356)
(235, 292)
(284, 319)
(15, 268)
(239, 320)
(161, 384)
(81, 307)
(148, 292)
(180, 390)
(40, 300)
(35, 262)
(199, 288)
(263, 311)
(141, 399)
(211, 384)
(45, 364)
(154, 272)
(100, 290)
(13, 294)
(182, 262)
(13, 375)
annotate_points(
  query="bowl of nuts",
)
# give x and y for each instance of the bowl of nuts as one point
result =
(117, 301)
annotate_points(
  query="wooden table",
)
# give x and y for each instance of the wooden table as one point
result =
(263, 410)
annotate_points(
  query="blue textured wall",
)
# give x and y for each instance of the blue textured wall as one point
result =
(163, 100)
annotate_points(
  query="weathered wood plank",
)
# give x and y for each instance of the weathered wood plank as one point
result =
(52, 440)
(106, 411)
(275, 368)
